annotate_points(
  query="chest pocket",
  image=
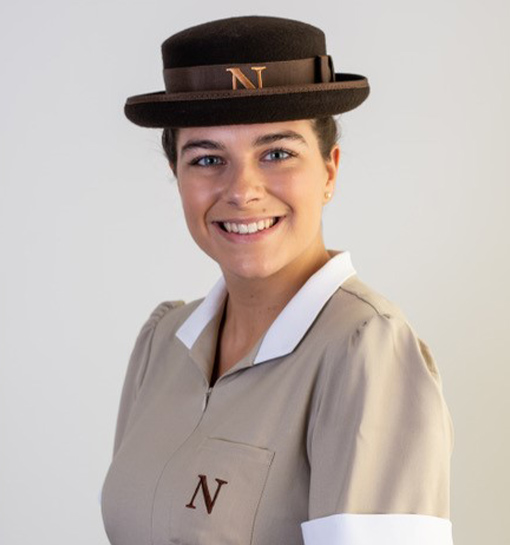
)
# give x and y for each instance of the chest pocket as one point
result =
(215, 495)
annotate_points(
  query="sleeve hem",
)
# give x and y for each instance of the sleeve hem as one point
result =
(387, 529)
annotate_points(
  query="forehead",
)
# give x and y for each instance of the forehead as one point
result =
(247, 134)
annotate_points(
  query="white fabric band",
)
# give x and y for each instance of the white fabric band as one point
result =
(354, 529)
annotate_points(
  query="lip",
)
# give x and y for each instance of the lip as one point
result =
(248, 237)
(252, 219)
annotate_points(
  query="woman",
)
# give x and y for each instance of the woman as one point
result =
(293, 404)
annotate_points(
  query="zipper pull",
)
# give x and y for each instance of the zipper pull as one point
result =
(206, 398)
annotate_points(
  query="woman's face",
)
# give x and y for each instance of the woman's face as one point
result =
(253, 194)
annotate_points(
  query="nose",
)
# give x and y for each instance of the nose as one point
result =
(244, 185)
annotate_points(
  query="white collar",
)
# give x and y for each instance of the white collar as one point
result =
(294, 320)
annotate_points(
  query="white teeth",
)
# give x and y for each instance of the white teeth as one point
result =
(248, 228)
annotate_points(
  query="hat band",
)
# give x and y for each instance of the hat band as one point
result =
(253, 75)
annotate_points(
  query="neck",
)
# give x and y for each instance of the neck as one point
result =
(254, 303)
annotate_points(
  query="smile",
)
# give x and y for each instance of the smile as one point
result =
(248, 228)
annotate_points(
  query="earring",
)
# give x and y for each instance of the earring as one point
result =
(327, 195)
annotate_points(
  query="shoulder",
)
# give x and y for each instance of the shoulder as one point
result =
(162, 324)
(158, 328)
(365, 301)
(367, 330)
(168, 316)
(353, 305)
(363, 327)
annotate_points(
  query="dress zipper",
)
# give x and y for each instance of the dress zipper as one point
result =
(206, 398)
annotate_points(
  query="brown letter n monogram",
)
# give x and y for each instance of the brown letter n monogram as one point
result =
(209, 503)
(238, 75)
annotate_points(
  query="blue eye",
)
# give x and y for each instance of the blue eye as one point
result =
(207, 161)
(272, 156)
(279, 154)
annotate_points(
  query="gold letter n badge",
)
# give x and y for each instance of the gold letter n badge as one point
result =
(209, 502)
(237, 75)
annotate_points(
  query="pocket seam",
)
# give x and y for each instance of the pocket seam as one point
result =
(259, 454)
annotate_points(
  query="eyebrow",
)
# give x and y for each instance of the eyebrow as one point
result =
(259, 141)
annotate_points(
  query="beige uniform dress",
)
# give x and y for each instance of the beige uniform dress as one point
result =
(333, 430)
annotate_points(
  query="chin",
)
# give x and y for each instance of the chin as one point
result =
(251, 269)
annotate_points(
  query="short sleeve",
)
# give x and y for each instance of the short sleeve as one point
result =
(380, 443)
(136, 368)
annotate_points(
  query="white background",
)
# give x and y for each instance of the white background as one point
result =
(93, 238)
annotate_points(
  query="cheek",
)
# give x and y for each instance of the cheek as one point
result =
(305, 197)
(195, 202)
(302, 189)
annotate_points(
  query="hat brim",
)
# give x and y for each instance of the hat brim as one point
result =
(270, 104)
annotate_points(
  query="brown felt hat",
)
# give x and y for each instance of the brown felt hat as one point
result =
(250, 69)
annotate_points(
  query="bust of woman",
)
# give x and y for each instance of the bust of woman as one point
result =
(293, 403)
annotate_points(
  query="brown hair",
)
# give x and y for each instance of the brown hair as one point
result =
(327, 130)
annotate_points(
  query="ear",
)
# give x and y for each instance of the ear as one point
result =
(332, 170)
